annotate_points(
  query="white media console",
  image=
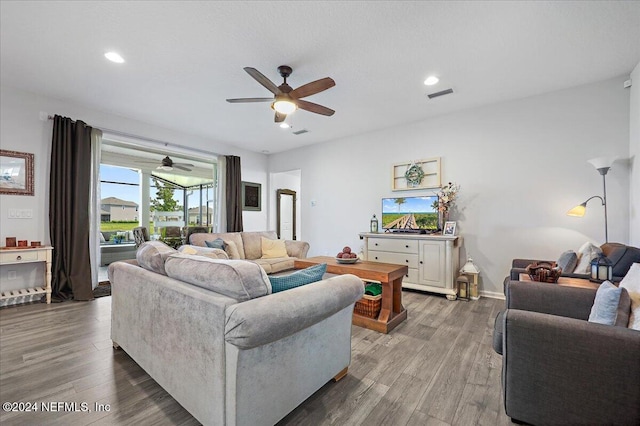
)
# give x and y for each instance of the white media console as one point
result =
(433, 260)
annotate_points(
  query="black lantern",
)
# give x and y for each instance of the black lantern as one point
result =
(463, 288)
(601, 269)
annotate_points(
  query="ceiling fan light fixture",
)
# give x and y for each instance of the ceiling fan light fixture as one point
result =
(284, 106)
(167, 168)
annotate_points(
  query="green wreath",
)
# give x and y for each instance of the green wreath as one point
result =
(414, 175)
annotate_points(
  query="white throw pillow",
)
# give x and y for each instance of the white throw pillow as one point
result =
(631, 282)
(586, 254)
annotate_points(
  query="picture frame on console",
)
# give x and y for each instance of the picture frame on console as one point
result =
(449, 228)
(16, 173)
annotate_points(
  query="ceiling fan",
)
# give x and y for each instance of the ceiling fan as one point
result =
(167, 164)
(287, 99)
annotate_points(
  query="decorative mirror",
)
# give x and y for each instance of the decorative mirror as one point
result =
(286, 214)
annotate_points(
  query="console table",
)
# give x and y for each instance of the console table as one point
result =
(392, 312)
(14, 256)
(433, 260)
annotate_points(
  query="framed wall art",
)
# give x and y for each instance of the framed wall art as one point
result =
(16, 173)
(251, 196)
(418, 174)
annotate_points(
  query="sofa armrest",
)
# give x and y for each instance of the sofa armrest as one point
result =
(569, 371)
(572, 302)
(297, 249)
(267, 319)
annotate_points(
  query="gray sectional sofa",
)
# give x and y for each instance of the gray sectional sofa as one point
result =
(212, 334)
(249, 248)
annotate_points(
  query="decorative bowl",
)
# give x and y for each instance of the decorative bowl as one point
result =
(340, 260)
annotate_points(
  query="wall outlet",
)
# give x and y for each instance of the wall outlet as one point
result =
(11, 275)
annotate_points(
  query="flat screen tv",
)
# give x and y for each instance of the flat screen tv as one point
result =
(409, 213)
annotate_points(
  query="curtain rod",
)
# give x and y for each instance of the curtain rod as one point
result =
(142, 138)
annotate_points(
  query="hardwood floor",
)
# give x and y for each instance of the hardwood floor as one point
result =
(437, 368)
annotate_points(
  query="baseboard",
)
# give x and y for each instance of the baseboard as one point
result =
(492, 294)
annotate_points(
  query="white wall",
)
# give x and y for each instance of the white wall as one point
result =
(22, 130)
(521, 165)
(634, 159)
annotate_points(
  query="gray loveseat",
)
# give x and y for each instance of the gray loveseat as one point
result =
(249, 247)
(213, 336)
(560, 369)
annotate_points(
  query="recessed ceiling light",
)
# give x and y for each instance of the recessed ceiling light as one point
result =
(431, 80)
(284, 125)
(114, 57)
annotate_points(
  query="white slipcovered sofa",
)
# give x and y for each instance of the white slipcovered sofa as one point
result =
(210, 332)
(249, 247)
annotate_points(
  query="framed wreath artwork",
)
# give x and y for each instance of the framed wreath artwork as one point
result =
(16, 173)
(417, 174)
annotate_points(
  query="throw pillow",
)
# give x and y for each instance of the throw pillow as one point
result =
(232, 249)
(631, 282)
(151, 255)
(298, 278)
(217, 243)
(605, 305)
(568, 261)
(213, 253)
(586, 254)
(272, 249)
(187, 250)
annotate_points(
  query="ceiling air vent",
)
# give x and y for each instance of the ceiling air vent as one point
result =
(442, 93)
(299, 132)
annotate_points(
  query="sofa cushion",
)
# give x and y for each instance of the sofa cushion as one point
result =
(273, 249)
(252, 242)
(237, 279)
(232, 249)
(621, 257)
(272, 266)
(218, 243)
(213, 253)
(568, 261)
(605, 305)
(586, 254)
(631, 282)
(298, 278)
(200, 238)
(151, 255)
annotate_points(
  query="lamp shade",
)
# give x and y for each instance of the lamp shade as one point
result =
(602, 162)
(578, 211)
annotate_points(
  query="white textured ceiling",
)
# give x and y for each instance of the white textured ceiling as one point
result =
(183, 59)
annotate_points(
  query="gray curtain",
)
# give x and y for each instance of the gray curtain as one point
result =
(233, 187)
(69, 223)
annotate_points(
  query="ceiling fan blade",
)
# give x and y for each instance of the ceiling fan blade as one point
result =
(181, 167)
(184, 164)
(279, 118)
(313, 88)
(260, 78)
(241, 100)
(311, 107)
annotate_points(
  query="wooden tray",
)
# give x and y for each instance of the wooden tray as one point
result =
(21, 248)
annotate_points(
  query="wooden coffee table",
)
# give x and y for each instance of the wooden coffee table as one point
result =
(390, 276)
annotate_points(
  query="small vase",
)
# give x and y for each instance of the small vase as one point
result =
(442, 218)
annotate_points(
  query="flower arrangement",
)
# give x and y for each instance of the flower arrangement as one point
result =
(446, 197)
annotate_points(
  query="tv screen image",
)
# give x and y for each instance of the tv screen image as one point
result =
(410, 213)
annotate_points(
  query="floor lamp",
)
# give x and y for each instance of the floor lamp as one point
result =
(602, 165)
